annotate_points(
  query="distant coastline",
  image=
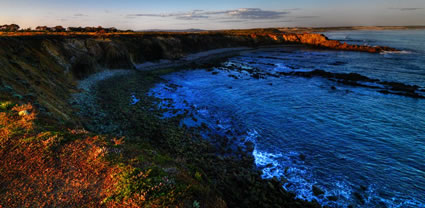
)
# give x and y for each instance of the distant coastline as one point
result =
(299, 29)
(328, 29)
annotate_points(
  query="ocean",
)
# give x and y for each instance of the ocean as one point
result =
(327, 141)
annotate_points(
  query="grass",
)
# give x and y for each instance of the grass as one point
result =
(64, 167)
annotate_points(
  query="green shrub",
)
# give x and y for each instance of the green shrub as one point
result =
(6, 105)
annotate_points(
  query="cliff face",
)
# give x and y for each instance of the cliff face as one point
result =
(44, 69)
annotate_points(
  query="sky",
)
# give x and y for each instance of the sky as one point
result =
(212, 14)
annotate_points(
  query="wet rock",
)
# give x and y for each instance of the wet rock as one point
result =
(257, 76)
(233, 76)
(338, 63)
(249, 146)
(317, 191)
(302, 157)
(359, 197)
(355, 79)
(332, 198)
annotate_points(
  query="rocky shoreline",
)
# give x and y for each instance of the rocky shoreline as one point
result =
(233, 177)
(106, 100)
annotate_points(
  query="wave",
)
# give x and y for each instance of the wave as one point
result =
(298, 178)
(396, 52)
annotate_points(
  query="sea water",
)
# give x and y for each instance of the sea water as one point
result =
(359, 146)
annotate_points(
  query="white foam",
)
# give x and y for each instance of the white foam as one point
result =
(134, 100)
(395, 52)
(282, 68)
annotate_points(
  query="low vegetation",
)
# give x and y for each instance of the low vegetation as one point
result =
(46, 166)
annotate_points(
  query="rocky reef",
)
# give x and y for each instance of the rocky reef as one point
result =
(322, 41)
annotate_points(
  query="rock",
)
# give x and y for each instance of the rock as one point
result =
(249, 146)
(271, 186)
(338, 63)
(317, 191)
(275, 180)
(257, 75)
(320, 40)
(283, 180)
(302, 157)
(359, 197)
(332, 198)
(233, 76)
(204, 125)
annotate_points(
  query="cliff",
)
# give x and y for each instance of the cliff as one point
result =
(43, 69)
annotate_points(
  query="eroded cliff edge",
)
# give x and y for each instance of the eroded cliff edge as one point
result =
(44, 69)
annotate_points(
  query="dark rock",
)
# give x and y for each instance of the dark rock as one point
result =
(249, 146)
(257, 76)
(271, 186)
(233, 76)
(302, 157)
(332, 198)
(338, 63)
(359, 197)
(317, 191)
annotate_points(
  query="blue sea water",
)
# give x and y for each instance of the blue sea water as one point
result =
(361, 147)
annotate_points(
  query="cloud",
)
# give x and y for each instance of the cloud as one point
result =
(191, 17)
(80, 15)
(255, 13)
(241, 14)
(232, 21)
(407, 9)
(307, 17)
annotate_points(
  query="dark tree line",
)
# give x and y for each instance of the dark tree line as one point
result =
(50, 29)
(92, 29)
(99, 29)
(9, 28)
